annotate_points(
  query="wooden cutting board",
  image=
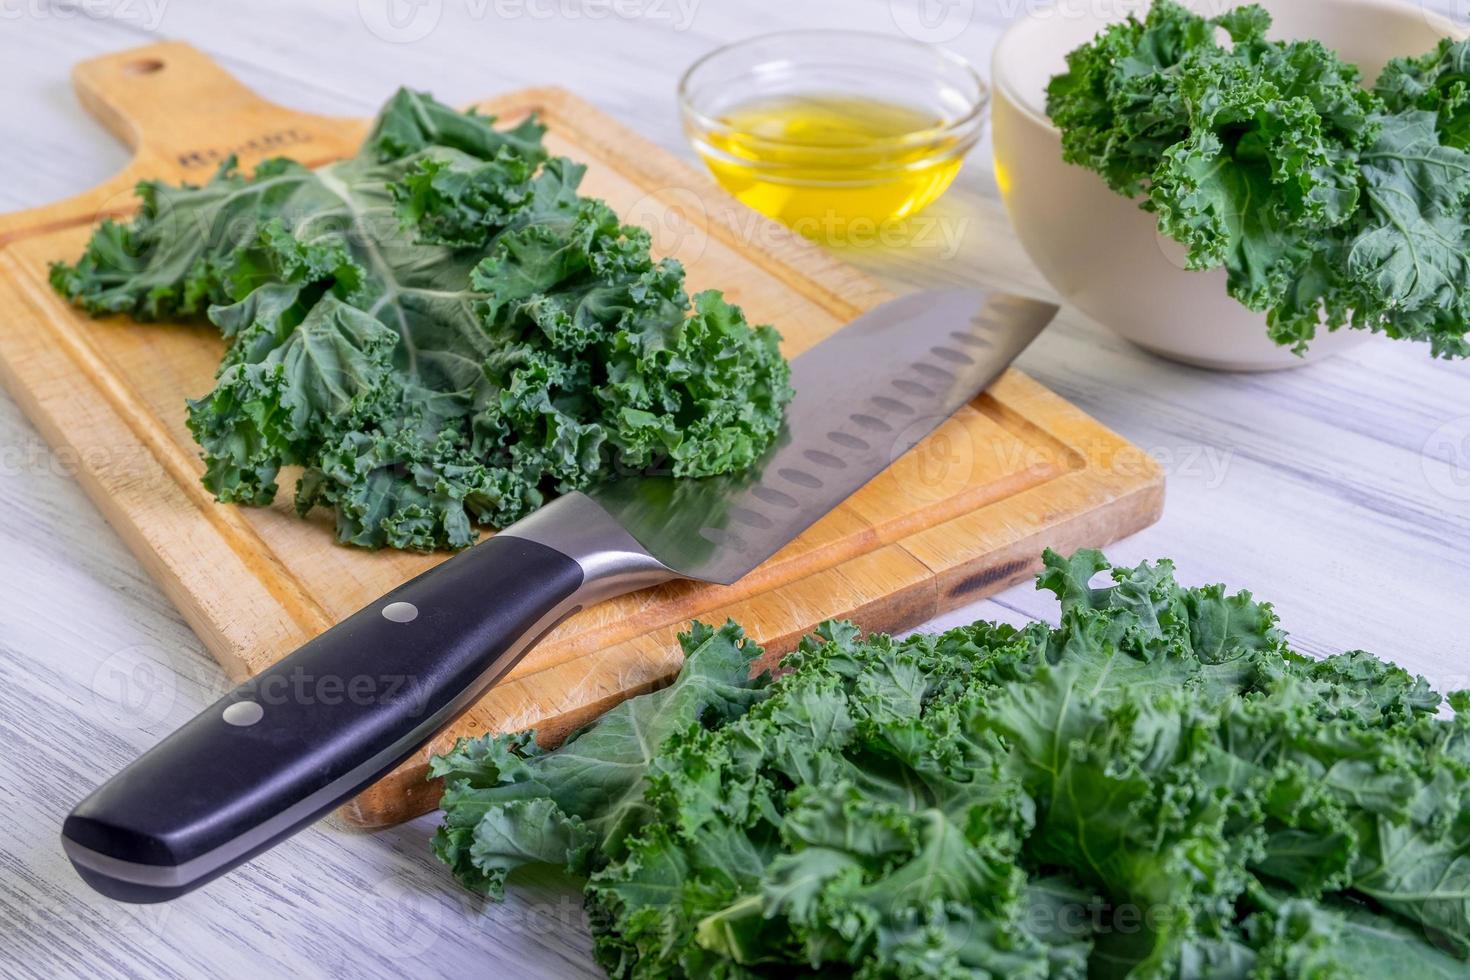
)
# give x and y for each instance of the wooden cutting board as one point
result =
(964, 514)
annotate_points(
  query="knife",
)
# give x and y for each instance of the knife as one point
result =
(306, 734)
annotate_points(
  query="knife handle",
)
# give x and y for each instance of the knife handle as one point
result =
(309, 732)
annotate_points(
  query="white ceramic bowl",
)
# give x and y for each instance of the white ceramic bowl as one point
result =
(1096, 248)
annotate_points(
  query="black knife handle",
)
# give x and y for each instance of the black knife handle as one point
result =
(311, 731)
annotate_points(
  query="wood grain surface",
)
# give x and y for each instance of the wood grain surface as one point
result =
(962, 515)
(1340, 492)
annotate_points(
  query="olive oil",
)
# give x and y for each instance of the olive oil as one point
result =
(829, 166)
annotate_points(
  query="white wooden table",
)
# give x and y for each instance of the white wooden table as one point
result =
(1341, 491)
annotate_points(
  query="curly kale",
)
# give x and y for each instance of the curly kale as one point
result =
(440, 331)
(1328, 206)
(1157, 788)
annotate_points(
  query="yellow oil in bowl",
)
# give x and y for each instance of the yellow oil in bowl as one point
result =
(825, 163)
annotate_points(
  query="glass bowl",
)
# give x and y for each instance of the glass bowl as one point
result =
(833, 132)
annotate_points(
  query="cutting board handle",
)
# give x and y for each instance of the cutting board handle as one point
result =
(181, 114)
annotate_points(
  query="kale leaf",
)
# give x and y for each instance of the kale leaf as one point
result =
(440, 331)
(1158, 787)
(1327, 205)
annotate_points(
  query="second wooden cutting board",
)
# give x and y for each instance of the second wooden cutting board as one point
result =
(963, 515)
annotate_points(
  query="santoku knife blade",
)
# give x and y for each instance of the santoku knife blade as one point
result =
(311, 731)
